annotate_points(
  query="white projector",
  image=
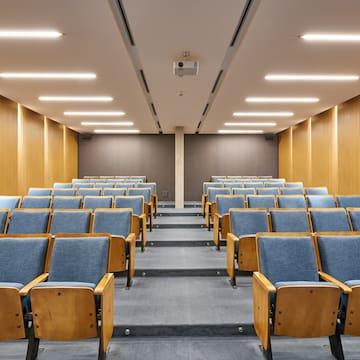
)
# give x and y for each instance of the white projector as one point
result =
(182, 68)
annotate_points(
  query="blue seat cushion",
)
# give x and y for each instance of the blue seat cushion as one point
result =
(65, 284)
(11, 284)
(352, 283)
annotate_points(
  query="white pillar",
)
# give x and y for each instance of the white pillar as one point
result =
(179, 167)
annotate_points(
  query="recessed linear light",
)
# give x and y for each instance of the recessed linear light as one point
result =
(94, 113)
(29, 34)
(331, 37)
(263, 114)
(76, 98)
(240, 131)
(282, 99)
(111, 131)
(250, 124)
(110, 123)
(60, 76)
(290, 77)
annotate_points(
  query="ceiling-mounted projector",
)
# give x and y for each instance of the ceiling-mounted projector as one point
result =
(185, 67)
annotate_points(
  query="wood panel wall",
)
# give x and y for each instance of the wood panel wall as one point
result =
(33, 150)
(325, 150)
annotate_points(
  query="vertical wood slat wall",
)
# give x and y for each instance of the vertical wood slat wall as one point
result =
(324, 150)
(34, 150)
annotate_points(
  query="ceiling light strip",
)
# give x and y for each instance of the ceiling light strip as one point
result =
(11, 75)
(264, 114)
(282, 99)
(29, 34)
(77, 98)
(336, 37)
(117, 131)
(107, 123)
(222, 131)
(309, 77)
(250, 124)
(94, 113)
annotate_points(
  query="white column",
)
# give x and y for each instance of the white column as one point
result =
(179, 167)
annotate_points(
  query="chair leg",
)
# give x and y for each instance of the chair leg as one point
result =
(336, 346)
(267, 352)
(102, 353)
(33, 345)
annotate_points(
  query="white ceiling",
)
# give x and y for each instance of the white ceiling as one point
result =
(94, 41)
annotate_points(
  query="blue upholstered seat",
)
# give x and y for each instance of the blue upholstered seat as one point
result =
(70, 221)
(114, 191)
(36, 202)
(89, 192)
(289, 220)
(101, 185)
(207, 185)
(320, 201)
(66, 202)
(267, 191)
(29, 221)
(130, 202)
(225, 202)
(94, 202)
(124, 185)
(354, 216)
(291, 201)
(248, 221)
(233, 185)
(352, 201)
(247, 191)
(322, 190)
(261, 201)
(145, 192)
(62, 185)
(253, 185)
(83, 185)
(40, 192)
(10, 202)
(112, 221)
(64, 192)
(297, 184)
(151, 185)
(292, 191)
(329, 220)
(212, 192)
(274, 184)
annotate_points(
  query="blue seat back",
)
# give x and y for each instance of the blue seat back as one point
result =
(248, 221)
(354, 216)
(261, 201)
(291, 201)
(329, 220)
(233, 185)
(83, 185)
(112, 221)
(70, 221)
(274, 184)
(66, 202)
(4, 214)
(151, 185)
(101, 185)
(145, 192)
(292, 191)
(22, 259)
(62, 186)
(289, 220)
(212, 192)
(253, 185)
(95, 202)
(9, 202)
(317, 191)
(114, 192)
(352, 201)
(247, 191)
(130, 202)
(26, 221)
(226, 202)
(36, 202)
(207, 185)
(287, 258)
(125, 185)
(40, 192)
(267, 191)
(297, 184)
(89, 192)
(320, 201)
(339, 256)
(64, 192)
(79, 259)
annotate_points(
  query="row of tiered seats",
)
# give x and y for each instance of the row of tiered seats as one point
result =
(60, 289)
(307, 286)
(117, 222)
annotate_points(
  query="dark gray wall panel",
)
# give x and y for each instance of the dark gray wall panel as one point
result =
(207, 155)
(150, 155)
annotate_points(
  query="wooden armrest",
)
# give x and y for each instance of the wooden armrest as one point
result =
(142, 216)
(25, 290)
(131, 237)
(231, 237)
(103, 283)
(344, 288)
(217, 215)
(264, 282)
